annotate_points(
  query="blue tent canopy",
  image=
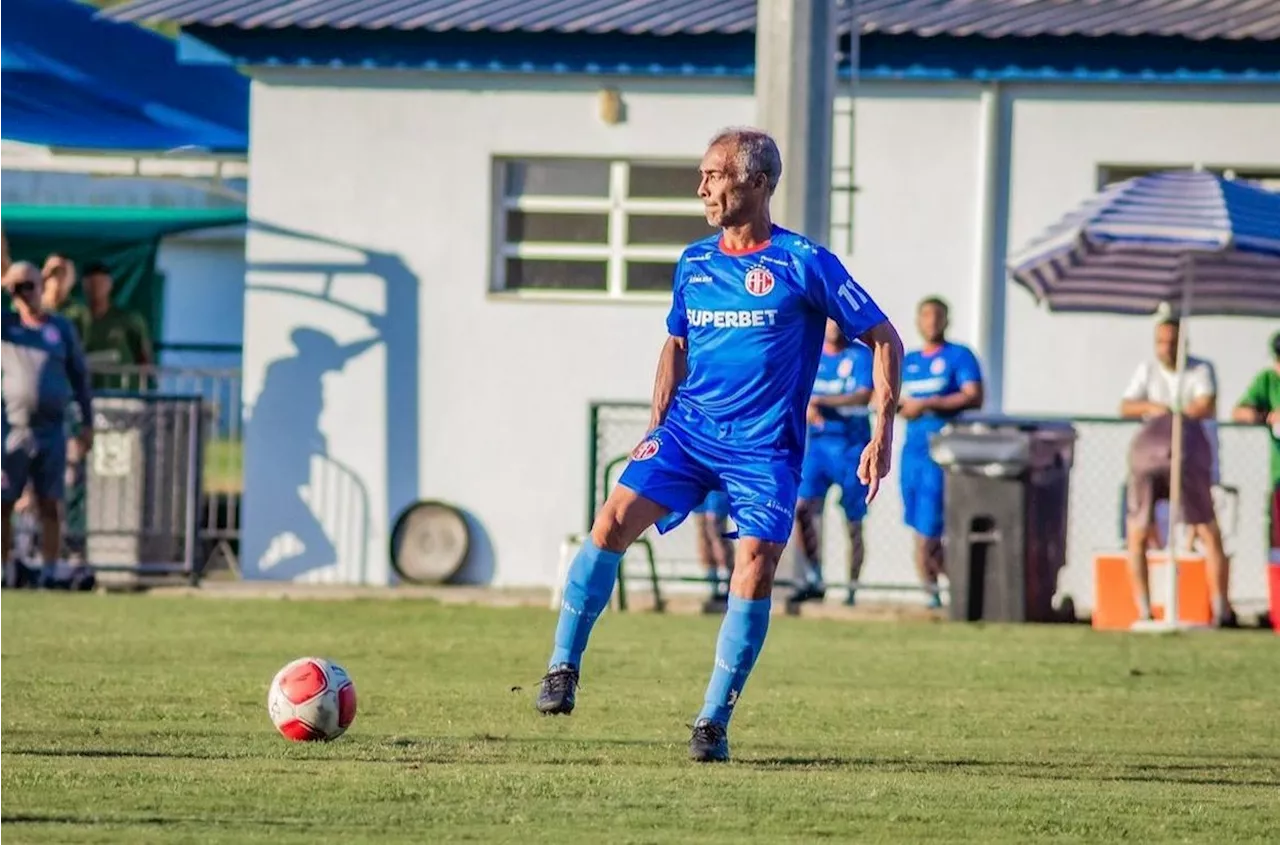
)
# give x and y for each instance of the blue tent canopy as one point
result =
(74, 80)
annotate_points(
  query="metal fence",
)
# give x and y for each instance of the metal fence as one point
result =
(137, 499)
(1094, 522)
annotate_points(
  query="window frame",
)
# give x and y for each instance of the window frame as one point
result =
(616, 251)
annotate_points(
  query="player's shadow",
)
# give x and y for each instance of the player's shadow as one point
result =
(312, 509)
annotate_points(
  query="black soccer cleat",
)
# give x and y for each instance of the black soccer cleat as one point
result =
(709, 743)
(555, 696)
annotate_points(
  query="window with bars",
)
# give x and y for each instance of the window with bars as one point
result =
(1109, 174)
(592, 226)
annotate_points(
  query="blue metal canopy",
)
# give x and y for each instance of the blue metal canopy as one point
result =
(74, 80)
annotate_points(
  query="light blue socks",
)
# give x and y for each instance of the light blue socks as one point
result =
(746, 622)
(586, 594)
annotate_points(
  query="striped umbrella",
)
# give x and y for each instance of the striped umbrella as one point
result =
(1156, 241)
(1185, 240)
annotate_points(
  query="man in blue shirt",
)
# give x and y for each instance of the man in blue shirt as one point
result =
(715, 550)
(939, 381)
(748, 311)
(839, 429)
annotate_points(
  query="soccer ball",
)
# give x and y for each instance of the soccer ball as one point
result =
(312, 699)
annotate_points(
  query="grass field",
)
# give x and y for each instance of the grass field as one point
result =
(131, 719)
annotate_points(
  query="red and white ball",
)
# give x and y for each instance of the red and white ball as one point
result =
(312, 699)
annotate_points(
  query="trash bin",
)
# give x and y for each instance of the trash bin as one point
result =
(1006, 518)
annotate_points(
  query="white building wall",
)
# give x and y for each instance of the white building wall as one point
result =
(400, 165)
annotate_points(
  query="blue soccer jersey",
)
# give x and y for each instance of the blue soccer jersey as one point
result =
(940, 372)
(754, 324)
(841, 374)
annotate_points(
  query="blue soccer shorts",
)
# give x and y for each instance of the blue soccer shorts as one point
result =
(923, 484)
(716, 504)
(677, 471)
(38, 455)
(833, 461)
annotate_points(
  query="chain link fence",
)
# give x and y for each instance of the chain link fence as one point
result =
(1095, 520)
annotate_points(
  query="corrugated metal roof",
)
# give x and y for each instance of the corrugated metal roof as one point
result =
(1195, 19)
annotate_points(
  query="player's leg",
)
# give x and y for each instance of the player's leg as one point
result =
(651, 486)
(815, 480)
(923, 511)
(1199, 514)
(760, 498)
(713, 549)
(853, 501)
(1140, 509)
(48, 479)
(17, 465)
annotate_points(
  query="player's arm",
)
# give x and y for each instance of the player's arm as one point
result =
(78, 376)
(672, 366)
(673, 362)
(886, 375)
(1254, 406)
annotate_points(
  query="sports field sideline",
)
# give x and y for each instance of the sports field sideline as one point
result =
(130, 719)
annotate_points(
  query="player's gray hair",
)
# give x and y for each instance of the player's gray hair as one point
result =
(754, 152)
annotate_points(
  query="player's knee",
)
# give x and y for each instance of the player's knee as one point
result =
(617, 525)
(755, 564)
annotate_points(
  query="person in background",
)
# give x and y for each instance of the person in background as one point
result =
(715, 550)
(43, 371)
(4, 253)
(839, 429)
(1260, 405)
(939, 381)
(59, 280)
(114, 339)
(1150, 397)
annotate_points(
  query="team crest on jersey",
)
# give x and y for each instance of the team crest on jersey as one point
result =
(845, 368)
(51, 335)
(646, 450)
(759, 281)
(938, 367)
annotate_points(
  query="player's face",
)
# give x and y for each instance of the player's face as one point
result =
(834, 336)
(932, 323)
(727, 199)
(1167, 345)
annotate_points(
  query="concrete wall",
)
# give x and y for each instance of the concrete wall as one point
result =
(372, 200)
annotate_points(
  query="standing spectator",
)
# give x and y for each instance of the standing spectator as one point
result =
(114, 339)
(939, 381)
(43, 370)
(1151, 396)
(1261, 405)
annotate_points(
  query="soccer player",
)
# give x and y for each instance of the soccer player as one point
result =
(938, 382)
(714, 548)
(748, 311)
(839, 429)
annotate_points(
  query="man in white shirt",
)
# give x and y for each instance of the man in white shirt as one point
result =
(1150, 398)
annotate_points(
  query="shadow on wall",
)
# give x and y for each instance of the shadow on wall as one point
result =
(313, 511)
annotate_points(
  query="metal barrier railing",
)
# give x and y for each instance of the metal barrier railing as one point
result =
(1094, 524)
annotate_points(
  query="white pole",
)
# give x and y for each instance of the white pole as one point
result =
(1176, 525)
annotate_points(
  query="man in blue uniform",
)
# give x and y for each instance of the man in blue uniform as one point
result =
(839, 429)
(939, 381)
(748, 311)
(715, 550)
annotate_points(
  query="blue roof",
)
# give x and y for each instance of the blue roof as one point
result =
(1229, 19)
(66, 83)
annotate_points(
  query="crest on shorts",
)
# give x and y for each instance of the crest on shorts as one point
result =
(845, 368)
(646, 450)
(51, 334)
(759, 281)
(938, 367)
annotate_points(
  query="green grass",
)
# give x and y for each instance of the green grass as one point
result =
(131, 719)
(224, 466)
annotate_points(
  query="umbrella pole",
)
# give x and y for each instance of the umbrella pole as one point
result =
(1176, 526)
